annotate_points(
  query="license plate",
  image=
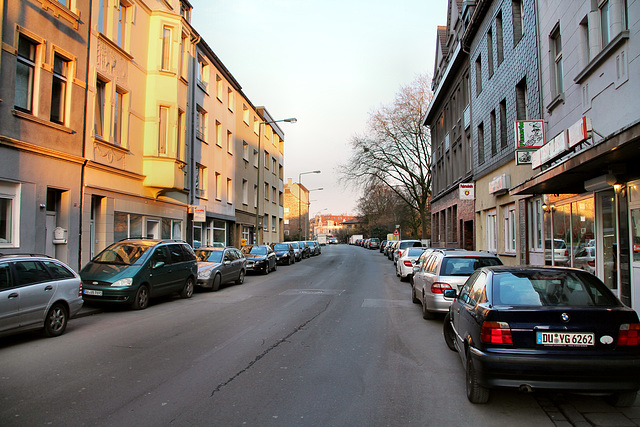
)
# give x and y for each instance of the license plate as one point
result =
(567, 339)
(92, 292)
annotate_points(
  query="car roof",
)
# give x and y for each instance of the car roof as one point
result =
(465, 253)
(518, 268)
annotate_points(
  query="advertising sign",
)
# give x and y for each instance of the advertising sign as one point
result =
(467, 191)
(529, 134)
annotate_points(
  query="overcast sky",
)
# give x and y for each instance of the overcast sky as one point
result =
(328, 63)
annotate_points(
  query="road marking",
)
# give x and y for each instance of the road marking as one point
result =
(313, 292)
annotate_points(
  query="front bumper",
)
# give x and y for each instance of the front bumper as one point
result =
(111, 296)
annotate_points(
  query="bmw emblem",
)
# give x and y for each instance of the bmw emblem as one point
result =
(564, 317)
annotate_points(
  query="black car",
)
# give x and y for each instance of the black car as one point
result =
(532, 327)
(285, 254)
(306, 250)
(260, 258)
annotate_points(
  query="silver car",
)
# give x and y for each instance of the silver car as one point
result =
(442, 270)
(217, 266)
(37, 292)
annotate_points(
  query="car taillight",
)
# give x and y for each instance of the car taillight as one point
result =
(566, 252)
(439, 287)
(496, 333)
(408, 263)
(629, 334)
(591, 263)
(80, 290)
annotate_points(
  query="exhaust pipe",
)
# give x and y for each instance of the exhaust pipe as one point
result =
(525, 388)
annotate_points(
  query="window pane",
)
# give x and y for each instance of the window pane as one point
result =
(5, 220)
(24, 74)
(58, 89)
(99, 113)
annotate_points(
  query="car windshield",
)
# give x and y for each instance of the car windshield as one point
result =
(209, 256)
(557, 244)
(551, 288)
(295, 245)
(256, 250)
(281, 247)
(123, 253)
(465, 266)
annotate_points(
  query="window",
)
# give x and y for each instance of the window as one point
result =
(499, 43)
(503, 123)
(521, 100)
(245, 192)
(101, 93)
(265, 222)
(245, 114)
(126, 226)
(255, 195)
(183, 56)
(230, 99)
(118, 116)
(102, 15)
(201, 123)
(535, 224)
(180, 149)
(229, 191)
(274, 221)
(59, 88)
(518, 20)
(218, 134)
(494, 148)
(274, 165)
(229, 142)
(481, 143)
(163, 129)
(245, 151)
(203, 72)
(478, 75)
(266, 160)
(9, 214)
(492, 236)
(604, 23)
(510, 228)
(25, 73)
(219, 87)
(166, 49)
(274, 195)
(266, 191)
(555, 45)
(255, 158)
(490, 52)
(122, 25)
(218, 186)
(201, 181)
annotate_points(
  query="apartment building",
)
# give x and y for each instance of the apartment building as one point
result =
(43, 70)
(296, 210)
(586, 174)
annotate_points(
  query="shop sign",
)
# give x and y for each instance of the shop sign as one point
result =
(199, 214)
(529, 134)
(467, 191)
(551, 150)
(579, 131)
(500, 184)
(523, 157)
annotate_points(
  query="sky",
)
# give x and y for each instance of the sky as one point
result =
(328, 63)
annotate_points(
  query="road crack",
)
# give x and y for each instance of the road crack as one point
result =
(269, 349)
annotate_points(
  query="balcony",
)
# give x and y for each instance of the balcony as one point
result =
(164, 173)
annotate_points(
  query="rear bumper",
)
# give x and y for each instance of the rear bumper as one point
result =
(601, 373)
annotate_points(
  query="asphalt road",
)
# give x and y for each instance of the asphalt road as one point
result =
(331, 341)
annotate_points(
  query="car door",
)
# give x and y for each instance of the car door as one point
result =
(466, 321)
(37, 288)
(9, 300)
(229, 267)
(161, 275)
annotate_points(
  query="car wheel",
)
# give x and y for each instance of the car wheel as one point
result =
(216, 283)
(291, 260)
(449, 334)
(266, 268)
(275, 266)
(622, 399)
(414, 298)
(475, 392)
(56, 321)
(187, 290)
(426, 314)
(240, 279)
(141, 300)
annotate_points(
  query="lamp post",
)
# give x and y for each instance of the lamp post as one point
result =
(309, 210)
(300, 200)
(289, 120)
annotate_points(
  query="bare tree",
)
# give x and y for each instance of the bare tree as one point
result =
(396, 150)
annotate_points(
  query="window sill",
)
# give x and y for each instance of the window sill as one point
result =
(559, 99)
(607, 51)
(509, 254)
(32, 118)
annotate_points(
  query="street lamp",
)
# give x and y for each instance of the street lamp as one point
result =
(300, 200)
(308, 220)
(289, 120)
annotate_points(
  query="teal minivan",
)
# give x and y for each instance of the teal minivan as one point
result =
(133, 271)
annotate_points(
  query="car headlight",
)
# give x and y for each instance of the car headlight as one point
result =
(123, 282)
(204, 274)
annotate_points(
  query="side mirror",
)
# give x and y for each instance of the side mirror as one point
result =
(450, 293)
(227, 262)
(158, 264)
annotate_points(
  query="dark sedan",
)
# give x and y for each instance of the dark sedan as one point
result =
(260, 258)
(544, 328)
(285, 254)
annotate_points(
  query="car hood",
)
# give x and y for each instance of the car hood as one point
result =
(107, 272)
(255, 257)
(205, 265)
(280, 253)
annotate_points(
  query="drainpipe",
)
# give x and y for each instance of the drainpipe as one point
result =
(189, 137)
(84, 140)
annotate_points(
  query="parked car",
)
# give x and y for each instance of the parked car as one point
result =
(374, 243)
(445, 269)
(560, 252)
(585, 259)
(133, 271)
(314, 247)
(284, 253)
(260, 258)
(306, 250)
(405, 264)
(218, 266)
(388, 247)
(534, 328)
(333, 240)
(297, 251)
(402, 245)
(382, 245)
(37, 292)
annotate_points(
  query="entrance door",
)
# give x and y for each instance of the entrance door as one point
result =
(635, 246)
(50, 248)
(607, 258)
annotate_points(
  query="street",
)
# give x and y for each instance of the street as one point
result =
(330, 341)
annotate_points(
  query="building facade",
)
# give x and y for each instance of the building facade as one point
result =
(296, 210)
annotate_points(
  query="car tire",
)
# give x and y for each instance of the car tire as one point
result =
(448, 332)
(622, 399)
(215, 285)
(56, 321)
(275, 266)
(187, 290)
(414, 298)
(426, 314)
(266, 269)
(475, 392)
(240, 279)
(141, 299)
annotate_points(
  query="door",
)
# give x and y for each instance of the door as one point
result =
(9, 300)
(607, 240)
(50, 248)
(635, 247)
(161, 272)
(37, 288)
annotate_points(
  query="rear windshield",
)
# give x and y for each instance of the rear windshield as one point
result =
(281, 247)
(405, 245)
(557, 244)
(556, 288)
(465, 266)
(209, 256)
(123, 253)
(415, 251)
